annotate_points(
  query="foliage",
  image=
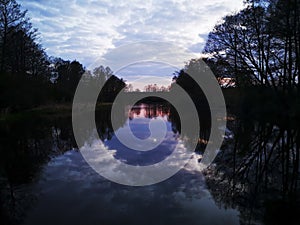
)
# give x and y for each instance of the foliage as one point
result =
(28, 77)
(260, 44)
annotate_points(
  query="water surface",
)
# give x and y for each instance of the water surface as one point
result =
(45, 180)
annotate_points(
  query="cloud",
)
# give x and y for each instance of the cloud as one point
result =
(148, 68)
(142, 73)
(88, 29)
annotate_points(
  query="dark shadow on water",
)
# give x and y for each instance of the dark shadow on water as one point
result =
(257, 171)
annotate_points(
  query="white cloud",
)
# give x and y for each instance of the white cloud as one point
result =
(88, 29)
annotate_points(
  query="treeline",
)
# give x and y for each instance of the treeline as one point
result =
(28, 76)
(259, 45)
(258, 49)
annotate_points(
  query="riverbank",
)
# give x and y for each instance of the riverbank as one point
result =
(252, 103)
(51, 110)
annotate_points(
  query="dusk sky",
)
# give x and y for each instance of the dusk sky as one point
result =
(87, 30)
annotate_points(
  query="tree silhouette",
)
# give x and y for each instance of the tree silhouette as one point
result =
(260, 44)
(69, 74)
(11, 17)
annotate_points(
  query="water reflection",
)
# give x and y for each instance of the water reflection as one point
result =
(45, 180)
(258, 171)
(150, 111)
(26, 146)
(139, 118)
(73, 193)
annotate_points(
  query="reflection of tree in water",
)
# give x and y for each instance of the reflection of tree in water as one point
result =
(26, 146)
(205, 126)
(258, 172)
(103, 123)
(149, 111)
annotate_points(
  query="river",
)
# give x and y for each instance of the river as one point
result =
(46, 180)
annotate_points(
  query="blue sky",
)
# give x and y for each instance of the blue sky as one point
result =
(87, 30)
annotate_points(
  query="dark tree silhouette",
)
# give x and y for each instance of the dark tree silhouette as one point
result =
(12, 19)
(68, 76)
(260, 43)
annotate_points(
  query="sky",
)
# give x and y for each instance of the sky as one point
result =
(89, 30)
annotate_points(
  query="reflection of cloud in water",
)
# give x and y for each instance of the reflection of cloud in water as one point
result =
(103, 160)
(72, 193)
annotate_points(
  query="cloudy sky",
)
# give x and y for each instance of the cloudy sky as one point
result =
(87, 30)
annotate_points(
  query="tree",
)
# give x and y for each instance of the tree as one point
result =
(284, 25)
(12, 19)
(68, 77)
(20, 53)
(104, 77)
(102, 74)
(238, 41)
(260, 44)
(129, 88)
(24, 65)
